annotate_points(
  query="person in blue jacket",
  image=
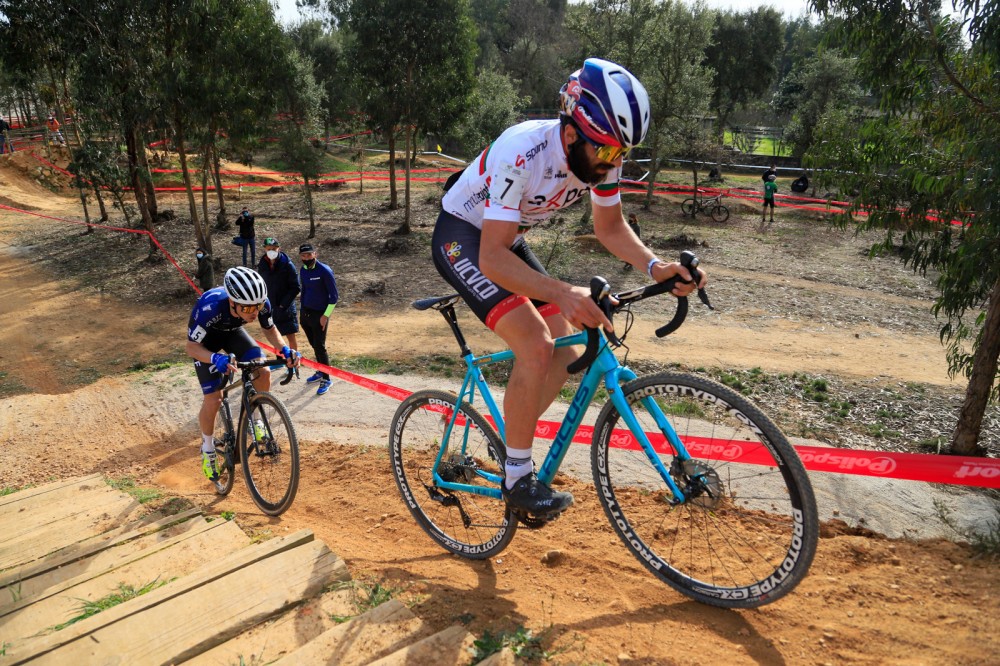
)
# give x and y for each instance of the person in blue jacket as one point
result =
(282, 280)
(319, 296)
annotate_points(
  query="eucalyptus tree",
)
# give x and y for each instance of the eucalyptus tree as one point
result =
(494, 106)
(925, 168)
(415, 70)
(744, 55)
(301, 98)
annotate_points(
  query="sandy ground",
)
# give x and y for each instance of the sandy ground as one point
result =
(914, 598)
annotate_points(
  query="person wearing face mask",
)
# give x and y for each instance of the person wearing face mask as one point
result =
(282, 282)
(531, 171)
(245, 223)
(319, 296)
(206, 273)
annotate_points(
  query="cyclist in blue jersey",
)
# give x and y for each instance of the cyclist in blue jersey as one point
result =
(216, 325)
(531, 171)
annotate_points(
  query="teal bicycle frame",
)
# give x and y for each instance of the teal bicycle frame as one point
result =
(606, 367)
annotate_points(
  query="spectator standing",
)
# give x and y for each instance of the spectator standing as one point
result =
(206, 273)
(319, 296)
(4, 128)
(54, 134)
(282, 282)
(770, 187)
(771, 171)
(245, 222)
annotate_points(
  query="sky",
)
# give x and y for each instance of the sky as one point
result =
(791, 9)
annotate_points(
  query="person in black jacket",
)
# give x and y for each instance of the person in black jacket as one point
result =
(282, 280)
(206, 272)
(245, 223)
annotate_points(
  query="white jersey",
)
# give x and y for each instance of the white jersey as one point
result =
(523, 177)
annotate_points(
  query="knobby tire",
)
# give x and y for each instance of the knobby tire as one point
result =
(747, 541)
(415, 438)
(270, 466)
(225, 450)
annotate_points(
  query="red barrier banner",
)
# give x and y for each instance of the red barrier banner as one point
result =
(955, 470)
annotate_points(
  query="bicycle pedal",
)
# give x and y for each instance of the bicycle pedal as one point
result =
(535, 521)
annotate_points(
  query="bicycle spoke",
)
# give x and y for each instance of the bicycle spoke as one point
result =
(270, 455)
(747, 532)
(470, 525)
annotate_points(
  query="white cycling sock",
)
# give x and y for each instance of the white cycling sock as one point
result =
(518, 465)
(207, 443)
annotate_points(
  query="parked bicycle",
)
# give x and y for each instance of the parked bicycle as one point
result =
(713, 207)
(264, 443)
(701, 486)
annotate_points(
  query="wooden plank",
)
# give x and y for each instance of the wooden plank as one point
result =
(25, 592)
(189, 615)
(30, 493)
(79, 523)
(375, 634)
(154, 522)
(162, 566)
(454, 645)
(26, 518)
(266, 642)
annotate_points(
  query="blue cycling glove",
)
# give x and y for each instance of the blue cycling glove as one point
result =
(220, 362)
(286, 351)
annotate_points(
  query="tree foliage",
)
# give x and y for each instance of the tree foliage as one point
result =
(415, 69)
(925, 169)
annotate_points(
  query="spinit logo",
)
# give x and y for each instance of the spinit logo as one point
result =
(453, 251)
(519, 162)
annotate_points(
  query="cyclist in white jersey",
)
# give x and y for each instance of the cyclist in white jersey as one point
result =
(531, 171)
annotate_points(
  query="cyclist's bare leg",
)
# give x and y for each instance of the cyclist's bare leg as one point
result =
(562, 357)
(528, 336)
(210, 405)
(262, 382)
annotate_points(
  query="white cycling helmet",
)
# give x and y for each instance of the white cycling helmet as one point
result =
(607, 103)
(245, 286)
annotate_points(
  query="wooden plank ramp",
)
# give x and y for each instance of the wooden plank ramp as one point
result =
(214, 598)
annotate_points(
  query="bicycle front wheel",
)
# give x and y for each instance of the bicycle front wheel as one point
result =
(720, 213)
(688, 207)
(467, 524)
(747, 531)
(225, 450)
(270, 454)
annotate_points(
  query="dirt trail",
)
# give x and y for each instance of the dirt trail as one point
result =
(868, 600)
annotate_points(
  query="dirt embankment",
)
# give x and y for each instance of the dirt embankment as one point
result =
(73, 407)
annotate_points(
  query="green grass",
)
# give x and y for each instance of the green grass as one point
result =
(522, 642)
(8, 490)
(125, 593)
(228, 515)
(11, 386)
(986, 541)
(366, 594)
(140, 495)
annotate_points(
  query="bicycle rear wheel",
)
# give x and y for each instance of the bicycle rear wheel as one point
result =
(688, 207)
(747, 533)
(270, 454)
(720, 213)
(225, 450)
(473, 526)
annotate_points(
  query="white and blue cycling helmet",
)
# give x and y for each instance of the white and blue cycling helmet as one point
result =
(245, 286)
(607, 103)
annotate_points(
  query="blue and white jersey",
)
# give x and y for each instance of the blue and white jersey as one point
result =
(211, 314)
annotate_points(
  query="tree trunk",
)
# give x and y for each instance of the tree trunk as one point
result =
(216, 168)
(131, 138)
(147, 179)
(404, 228)
(205, 168)
(201, 238)
(393, 198)
(965, 440)
(83, 200)
(100, 203)
(654, 170)
(309, 205)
